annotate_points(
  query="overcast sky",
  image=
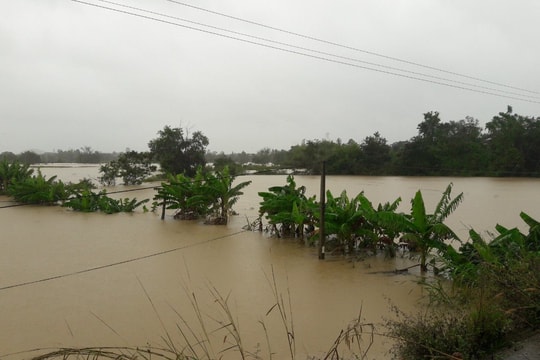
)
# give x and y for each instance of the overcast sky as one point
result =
(74, 75)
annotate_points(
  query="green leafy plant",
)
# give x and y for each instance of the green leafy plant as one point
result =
(423, 231)
(221, 194)
(39, 190)
(88, 201)
(132, 166)
(11, 172)
(207, 193)
(278, 206)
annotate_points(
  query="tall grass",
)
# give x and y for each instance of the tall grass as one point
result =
(218, 335)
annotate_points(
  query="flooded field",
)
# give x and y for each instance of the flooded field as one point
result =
(76, 279)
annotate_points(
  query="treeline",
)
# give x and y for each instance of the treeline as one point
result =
(508, 146)
(84, 155)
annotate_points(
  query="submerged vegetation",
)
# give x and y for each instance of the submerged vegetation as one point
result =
(26, 188)
(484, 292)
(207, 194)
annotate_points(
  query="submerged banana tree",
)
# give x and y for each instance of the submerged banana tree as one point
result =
(211, 194)
(424, 231)
(222, 194)
(344, 219)
(352, 219)
(11, 172)
(287, 208)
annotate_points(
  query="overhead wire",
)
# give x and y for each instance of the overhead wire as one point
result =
(520, 98)
(117, 263)
(317, 51)
(289, 32)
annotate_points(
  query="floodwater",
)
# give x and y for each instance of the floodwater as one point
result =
(75, 279)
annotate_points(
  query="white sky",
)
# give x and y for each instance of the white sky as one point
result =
(74, 75)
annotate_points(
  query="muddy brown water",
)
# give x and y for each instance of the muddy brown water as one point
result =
(74, 279)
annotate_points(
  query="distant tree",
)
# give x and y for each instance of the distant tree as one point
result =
(87, 155)
(222, 162)
(29, 157)
(375, 155)
(178, 153)
(132, 166)
(443, 148)
(513, 143)
(241, 158)
(263, 156)
(345, 159)
(9, 156)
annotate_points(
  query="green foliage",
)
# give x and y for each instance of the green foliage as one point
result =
(85, 201)
(133, 167)
(495, 296)
(425, 232)
(11, 172)
(88, 201)
(221, 194)
(29, 157)
(287, 208)
(345, 219)
(446, 333)
(222, 162)
(109, 171)
(110, 206)
(177, 153)
(513, 144)
(507, 146)
(181, 194)
(39, 190)
(208, 193)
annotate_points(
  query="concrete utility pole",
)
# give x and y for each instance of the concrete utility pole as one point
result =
(322, 236)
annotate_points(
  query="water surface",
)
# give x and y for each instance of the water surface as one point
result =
(75, 279)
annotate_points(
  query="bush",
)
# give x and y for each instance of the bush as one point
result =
(440, 332)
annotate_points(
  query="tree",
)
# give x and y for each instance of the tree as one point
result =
(223, 161)
(29, 157)
(132, 166)
(513, 143)
(87, 155)
(177, 153)
(375, 155)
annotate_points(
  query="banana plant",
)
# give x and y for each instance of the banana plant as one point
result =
(222, 194)
(344, 219)
(11, 172)
(39, 190)
(278, 203)
(425, 232)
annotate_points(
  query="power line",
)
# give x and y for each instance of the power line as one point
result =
(306, 54)
(139, 258)
(347, 47)
(318, 51)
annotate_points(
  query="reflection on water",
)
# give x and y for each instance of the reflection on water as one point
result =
(85, 302)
